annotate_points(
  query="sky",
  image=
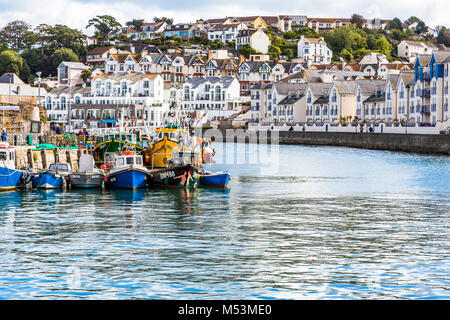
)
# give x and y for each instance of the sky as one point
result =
(76, 13)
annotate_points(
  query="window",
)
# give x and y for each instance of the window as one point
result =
(217, 93)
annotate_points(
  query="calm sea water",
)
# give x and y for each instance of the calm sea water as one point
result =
(297, 222)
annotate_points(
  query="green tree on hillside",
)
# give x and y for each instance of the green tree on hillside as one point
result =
(11, 61)
(18, 35)
(346, 37)
(86, 75)
(443, 36)
(169, 21)
(246, 50)
(384, 46)
(135, 24)
(358, 20)
(63, 54)
(104, 25)
(395, 23)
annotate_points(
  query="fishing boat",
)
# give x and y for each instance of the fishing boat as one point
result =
(107, 145)
(9, 177)
(53, 177)
(168, 140)
(87, 175)
(214, 179)
(178, 176)
(127, 172)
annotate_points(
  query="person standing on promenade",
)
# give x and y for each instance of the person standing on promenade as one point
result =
(4, 135)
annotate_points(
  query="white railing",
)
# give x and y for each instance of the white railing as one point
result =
(327, 127)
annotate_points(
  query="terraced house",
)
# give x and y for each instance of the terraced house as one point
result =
(366, 91)
(404, 84)
(419, 109)
(226, 32)
(208, 99)
(184, 31)
(439, 81)
(138, 95)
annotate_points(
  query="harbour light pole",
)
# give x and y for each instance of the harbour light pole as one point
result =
(39, 87)
(69, 109)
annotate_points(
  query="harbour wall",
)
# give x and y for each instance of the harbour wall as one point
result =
(414, 143)
(26, 157)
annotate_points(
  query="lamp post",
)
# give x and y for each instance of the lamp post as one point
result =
(39, 87)
(69, 109)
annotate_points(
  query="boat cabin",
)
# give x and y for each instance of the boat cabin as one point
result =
(128, 159)
(128, 137)
(7, 157)
(60, 167)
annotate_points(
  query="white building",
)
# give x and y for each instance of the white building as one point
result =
(210, 99)
(140, 95)
(225, 32)
(314, 49)
(257, 39)
(411, 49)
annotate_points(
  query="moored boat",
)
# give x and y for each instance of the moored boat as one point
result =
(9, 176)
(182, 176)
(127, 172)
(53, 177)
(214, 179)
(87, 176)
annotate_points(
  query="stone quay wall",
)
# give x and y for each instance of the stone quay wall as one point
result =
(438, 144)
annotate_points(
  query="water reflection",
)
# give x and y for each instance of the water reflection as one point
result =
(332, 223)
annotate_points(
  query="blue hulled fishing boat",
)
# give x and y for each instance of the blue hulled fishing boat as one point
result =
(53, 177)
(128, 172)
(9, 176)
(214, 179)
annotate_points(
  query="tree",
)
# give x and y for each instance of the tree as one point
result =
(346, 37)
(395, 24)
(61, 36)
(371, 41)
(11, 61)
(169, 21)
(135, 24)
(17, 34)
(411, 20)
(33, 58)
(384, 46)
(3, 46)
(357, 19)
(274, 51)
(346, 55)
(63, 54)
(104, 25)
(246, 50)
(86, 75)
(443, 36)
(421, 27)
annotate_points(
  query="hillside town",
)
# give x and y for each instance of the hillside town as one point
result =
(253, 72)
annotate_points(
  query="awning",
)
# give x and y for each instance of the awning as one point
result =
(109, 121)
(9, 108)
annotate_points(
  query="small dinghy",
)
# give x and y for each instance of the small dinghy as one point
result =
(87, 175)
(214, 179)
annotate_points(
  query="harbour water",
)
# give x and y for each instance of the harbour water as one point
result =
(299, 222)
